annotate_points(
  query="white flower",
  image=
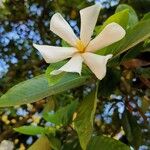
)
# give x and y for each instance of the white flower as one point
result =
(83, 48)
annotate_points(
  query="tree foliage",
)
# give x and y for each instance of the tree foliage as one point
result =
(72, 111)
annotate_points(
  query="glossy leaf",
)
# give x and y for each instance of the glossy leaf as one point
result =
(83, 122)
(133, 18)
(132, 130)
(146, 16)
(30, 130)
(55, 143)
(41, 144)
(132, 53)
(106, 143)
(50, 105)
(120, 18)
(63, 115)
(38, 88)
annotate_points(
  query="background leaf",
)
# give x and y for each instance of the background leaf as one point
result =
(55, 143)
(132, 53)
(83, 123)
(120, 17)
(133, 18)
(63, 115)
(146, 16)
(41, 144)
(132, 130)
(106, 143)
(30, 130)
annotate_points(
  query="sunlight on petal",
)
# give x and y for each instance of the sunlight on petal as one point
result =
(89, 17)
(53, 54)
(59, 26)
(112, 33)
(73, 65)
(96, 63)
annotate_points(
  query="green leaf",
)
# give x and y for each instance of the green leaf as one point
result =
(83, 122)
(135, 35)
(133, 18)
(146, 16)
(30, 130)
(41, 144)
(63, 115)
(106, 143)
(132, 130)
(132, 53)
(120, 18)
(50, 105)
(55, 143)
(65, 44)
(37, 88)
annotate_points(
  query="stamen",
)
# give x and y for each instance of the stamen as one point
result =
(80, 46)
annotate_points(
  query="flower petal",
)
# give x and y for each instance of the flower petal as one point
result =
(96, 63)
(112, 33)
(89, 17)
(59, 26)
(73, 65)
(53, 54)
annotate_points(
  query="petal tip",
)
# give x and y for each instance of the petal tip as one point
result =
(34, 44)
(119, 28)
(109, 56)
(95, 6)
(98, 5)
(53, 19)
(38, 47)
(61, 28)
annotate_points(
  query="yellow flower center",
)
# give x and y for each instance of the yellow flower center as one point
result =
(80, 46)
